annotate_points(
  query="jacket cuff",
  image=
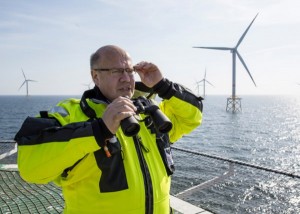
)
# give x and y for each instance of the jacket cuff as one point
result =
(164, 89)
(101, 132)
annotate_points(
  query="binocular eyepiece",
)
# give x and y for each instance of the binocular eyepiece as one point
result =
(130, 125)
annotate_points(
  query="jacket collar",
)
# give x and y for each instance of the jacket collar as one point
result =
(94, 94)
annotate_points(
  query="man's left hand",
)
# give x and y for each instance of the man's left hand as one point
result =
(149, 73)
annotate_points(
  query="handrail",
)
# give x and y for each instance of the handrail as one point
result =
(238, 162)
(9, 153)
(208, 183)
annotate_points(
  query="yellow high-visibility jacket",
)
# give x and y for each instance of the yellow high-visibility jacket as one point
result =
(67, 147)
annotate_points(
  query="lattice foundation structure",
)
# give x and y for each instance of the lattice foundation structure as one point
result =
(234, 104)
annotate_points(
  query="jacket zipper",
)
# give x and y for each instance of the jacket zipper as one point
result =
(146, 175)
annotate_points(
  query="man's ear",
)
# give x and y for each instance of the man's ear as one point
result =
(94, 75)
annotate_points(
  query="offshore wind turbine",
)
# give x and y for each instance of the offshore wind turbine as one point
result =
(204, 81)
(26, 82)
(87, 85)
(233, 102)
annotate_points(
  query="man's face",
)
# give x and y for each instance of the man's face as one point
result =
(113, 76)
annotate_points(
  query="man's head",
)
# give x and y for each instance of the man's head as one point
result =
(112, 72)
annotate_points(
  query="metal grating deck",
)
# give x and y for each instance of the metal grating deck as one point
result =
(17, 196)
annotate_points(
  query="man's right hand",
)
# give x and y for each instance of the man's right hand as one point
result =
(116, 111)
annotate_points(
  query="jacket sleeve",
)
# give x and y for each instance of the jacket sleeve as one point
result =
(181, 106)
(46, 148)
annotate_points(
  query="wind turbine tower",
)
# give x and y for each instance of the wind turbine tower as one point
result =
(204, 81)
(26, 82)
(234, 102)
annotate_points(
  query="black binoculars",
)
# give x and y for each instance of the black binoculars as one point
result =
(130, 125)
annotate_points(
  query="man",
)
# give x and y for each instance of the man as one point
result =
(80, 146)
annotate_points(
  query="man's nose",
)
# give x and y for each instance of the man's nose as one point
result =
(126, 76)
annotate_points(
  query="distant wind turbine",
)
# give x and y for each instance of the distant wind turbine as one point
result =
(233, 101)
(26, 82)
(88, 85)
(204, 81)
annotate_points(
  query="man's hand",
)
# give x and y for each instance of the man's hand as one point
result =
(116, 111)
(149, 73)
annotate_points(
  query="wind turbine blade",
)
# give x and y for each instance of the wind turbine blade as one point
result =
(216, 48)
(23, 73)
(205, 74)
(200, 81)
(241, 59)
(244, 34)
(22, 85)
(209, 83)
(31, 80)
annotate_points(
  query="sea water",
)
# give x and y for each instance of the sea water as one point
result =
(265, 133)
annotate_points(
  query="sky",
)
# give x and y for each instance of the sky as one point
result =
(51, 41)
